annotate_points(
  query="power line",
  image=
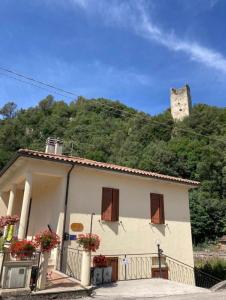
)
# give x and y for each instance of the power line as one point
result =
(103, 104)
(37, 81)
(32, 84)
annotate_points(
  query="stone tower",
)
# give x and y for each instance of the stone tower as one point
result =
(180, 102)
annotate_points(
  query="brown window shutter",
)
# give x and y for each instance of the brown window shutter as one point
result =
(106, 210)
(162, 213)
(115, 205)
(157, 209)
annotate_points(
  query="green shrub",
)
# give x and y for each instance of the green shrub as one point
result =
(215, 267)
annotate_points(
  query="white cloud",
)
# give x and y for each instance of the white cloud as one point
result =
(134, 16)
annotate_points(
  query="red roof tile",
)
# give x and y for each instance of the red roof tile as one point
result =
(101, 165)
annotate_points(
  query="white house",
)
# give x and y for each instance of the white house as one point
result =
(131, 208)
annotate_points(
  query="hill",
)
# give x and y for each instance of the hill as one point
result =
(109, 131)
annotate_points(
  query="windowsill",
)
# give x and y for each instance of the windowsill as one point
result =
(155, 224)
(105, 221)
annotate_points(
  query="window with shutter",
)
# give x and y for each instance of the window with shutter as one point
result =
(157, 209)
(110, 204)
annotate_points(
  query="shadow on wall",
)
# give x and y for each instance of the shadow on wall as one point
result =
(132, 205)
(113, 226)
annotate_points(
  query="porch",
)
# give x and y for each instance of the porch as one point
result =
(37, 196)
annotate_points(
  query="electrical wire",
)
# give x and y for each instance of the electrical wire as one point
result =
(122, 112)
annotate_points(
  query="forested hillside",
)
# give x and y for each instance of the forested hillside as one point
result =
(112, 132)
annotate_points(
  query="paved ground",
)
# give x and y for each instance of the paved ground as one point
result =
(154, 289)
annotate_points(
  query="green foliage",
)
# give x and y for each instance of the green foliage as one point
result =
(8, 110)
(215, 267)
(122, 135)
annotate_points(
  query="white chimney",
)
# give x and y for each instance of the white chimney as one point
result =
(50, 145)
(54, 146)
(58, 146)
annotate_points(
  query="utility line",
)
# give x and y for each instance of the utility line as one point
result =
(32, 84)
(103, 104)
(37, 81)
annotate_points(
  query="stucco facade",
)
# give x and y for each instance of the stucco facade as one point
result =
(132, 234)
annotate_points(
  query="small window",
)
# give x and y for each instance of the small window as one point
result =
(157, 208)
(110, 204)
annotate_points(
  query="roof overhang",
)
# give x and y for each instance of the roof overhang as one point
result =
(70, 160)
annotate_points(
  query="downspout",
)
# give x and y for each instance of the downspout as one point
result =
(65, 215)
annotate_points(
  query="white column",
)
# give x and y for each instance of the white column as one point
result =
(85, 268)
(12, 195)
(25, 207)
(41, 283)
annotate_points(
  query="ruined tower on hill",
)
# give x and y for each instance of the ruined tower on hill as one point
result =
(180, 103)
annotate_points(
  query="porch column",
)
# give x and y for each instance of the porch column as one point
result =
(12, 194)
(25, 207)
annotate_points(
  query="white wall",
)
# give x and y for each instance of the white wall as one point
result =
(47, 205)
(133, 233)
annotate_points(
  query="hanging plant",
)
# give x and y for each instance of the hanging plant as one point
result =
(8, 220)
(46, 241)
(22, 249)
(89, 242)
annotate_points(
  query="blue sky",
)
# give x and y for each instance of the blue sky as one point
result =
(133, 51)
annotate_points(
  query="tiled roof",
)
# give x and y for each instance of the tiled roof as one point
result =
(101, 165)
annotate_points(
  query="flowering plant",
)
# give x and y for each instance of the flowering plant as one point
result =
(22, 249)
(8, 220)
(89, 242)
(100, 261)
(46, 240)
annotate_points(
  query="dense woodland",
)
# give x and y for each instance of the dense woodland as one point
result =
(109, 131)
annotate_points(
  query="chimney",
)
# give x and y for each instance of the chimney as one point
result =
(54, 146)
(58, 146)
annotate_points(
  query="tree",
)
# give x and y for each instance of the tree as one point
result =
(8, 111)
(122, 135)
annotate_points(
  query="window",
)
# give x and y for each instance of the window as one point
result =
(110, 204)
(157, 208)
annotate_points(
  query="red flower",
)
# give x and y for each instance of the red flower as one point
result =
(46, 240)
(22, 248)
(90, 242)
(100, 261)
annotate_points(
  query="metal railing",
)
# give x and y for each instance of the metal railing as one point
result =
(141, 266)
(71, 262)
(181, 272)
(133, 266)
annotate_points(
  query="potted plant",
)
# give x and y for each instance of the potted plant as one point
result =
(22, 250)
(99, 261)
(46, 240)
(89, 242)
(8, 220)
(102, 273)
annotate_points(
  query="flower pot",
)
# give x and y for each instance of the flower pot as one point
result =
(97, 276)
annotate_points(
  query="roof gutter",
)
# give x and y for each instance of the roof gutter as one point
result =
(65, 215)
